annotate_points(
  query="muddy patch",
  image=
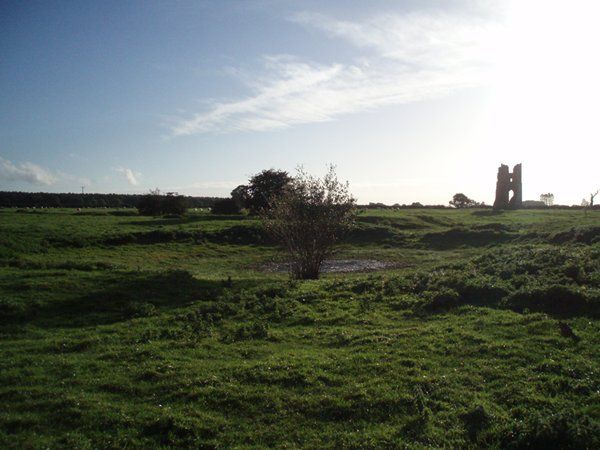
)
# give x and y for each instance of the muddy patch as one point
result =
(340, 265)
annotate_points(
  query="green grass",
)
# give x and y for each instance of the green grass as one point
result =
(123, 331)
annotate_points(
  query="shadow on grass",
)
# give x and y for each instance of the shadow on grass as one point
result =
(237, 234)
(441, 221)
(398, 223)
(100, 299)
(462, 237)
(365, 234)
(183, 220)
(487, 213)
(124, 213)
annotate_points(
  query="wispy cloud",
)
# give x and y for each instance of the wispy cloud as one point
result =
(27, 172)
(133, 178)
(419, 40)
(404, 58)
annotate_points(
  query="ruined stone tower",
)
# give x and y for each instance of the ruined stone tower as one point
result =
(509, 182)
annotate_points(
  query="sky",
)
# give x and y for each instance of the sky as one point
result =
(411, 100)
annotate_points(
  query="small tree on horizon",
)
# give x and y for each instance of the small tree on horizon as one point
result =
(462, 201)
(263, 186)
(156, 204)
(308, 218)
(150, 204)
(241, 196)
(592, 197)
(548, 199)
(174, 204)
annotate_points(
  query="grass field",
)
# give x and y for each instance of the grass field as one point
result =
(121, 331)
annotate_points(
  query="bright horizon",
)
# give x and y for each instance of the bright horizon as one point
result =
(412, 101)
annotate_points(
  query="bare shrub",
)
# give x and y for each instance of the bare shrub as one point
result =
(308, 218)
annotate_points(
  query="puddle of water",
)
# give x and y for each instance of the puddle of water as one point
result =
(340, 265)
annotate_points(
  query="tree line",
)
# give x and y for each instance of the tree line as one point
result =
(12, 199)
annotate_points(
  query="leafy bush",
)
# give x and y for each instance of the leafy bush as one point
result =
(155, 204)
(308, 218)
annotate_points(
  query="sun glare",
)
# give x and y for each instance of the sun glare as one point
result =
(546, 92)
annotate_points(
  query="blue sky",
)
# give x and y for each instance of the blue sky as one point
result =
(411, 100)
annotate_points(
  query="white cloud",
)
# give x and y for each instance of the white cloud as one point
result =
(410, 57)
(436, 41)
(27, 172)
(133, 178)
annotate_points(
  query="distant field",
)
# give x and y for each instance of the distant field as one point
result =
(124, 331)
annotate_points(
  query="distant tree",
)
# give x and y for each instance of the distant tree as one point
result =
(225, 206)
(548, 199)
(462, 201)
(533, 204)
(308, 217)
(264, 186)
(585, 203)
(174, 204)
(155, 204)
(592, 197)
(241, 196)
(150, 204)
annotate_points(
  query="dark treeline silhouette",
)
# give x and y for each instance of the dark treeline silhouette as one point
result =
(13, 199)
(72, 200)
